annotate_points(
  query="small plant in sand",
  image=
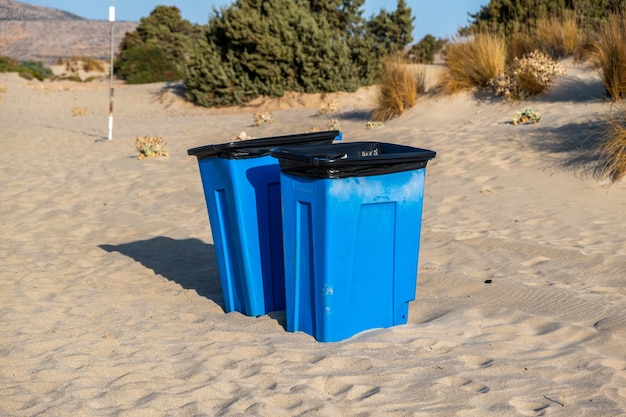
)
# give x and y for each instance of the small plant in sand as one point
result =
(315, 129)
(325, 108)
(263, 118)
(527, 77)
(526, 116)
(78, 111)
(242, 136)
(374, 125)
(612, 162)
(334, 124)
(150, 147)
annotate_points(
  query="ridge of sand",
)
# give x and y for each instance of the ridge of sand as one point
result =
(111, 304)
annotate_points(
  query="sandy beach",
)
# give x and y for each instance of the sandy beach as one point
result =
(111, 305)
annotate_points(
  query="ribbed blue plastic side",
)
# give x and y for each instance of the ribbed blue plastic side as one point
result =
(351, 249)
(243, 201)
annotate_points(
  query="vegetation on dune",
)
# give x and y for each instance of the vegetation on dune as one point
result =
(423, 52)
(510, 17)
(26, 69)
(265, 48)
(609, 51)
(400, 87)
(612, 162)
(473, 61)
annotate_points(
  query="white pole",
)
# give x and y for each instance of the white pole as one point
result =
(112, 20)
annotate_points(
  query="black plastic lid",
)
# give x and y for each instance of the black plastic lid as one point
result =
(351, 159)
(254, 148)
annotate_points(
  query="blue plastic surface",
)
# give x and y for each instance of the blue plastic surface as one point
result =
(351, 250)
(243, 201)
(241, 183)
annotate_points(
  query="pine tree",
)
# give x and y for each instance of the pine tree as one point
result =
(391, 32)
(267, 48)
(158, 48)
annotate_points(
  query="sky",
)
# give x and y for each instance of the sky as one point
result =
(440, 18)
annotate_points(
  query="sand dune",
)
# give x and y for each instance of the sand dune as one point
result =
(111, 304)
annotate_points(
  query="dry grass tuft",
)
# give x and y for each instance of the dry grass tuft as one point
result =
(263, 118)
(78, 111)
(559, 37)
(609, 51)
(326, 108)
(399, 88)
(612, 161)
(473, 62)
(334, 124)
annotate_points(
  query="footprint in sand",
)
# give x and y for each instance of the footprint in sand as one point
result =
(464, 383)
(476, 361)
(529, 408)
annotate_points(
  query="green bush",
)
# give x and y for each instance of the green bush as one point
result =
(265, 48)
(424, 51)
(36, 69)
(8, 64)
(148, 64)
(27, 69)
(158, 49)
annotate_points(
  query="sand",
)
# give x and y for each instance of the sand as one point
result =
(110, 301)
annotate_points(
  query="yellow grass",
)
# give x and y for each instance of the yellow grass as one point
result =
(473, 62)
(558, 37)
(613, 147)
(399, 88)
(610, 53)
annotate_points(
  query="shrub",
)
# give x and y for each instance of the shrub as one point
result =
(401, 83)
(527, 115)
(523, 15)
(254, 48)
(612, 162)
(325, 108)
(150, 147)
(148, 64)
(26, 69)
(610, 53)
(473, 61)
(526, 77)
(424, 51)
(8, 64)
(251, 51)
(158, 49)
(263, 118)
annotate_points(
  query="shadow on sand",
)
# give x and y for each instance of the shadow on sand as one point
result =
(574, 145)
(188, 262)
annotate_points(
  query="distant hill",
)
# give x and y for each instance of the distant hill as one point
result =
(29, 32)
(14, 10)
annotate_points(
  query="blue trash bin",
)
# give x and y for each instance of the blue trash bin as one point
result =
(241, 188)
(351, 227)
